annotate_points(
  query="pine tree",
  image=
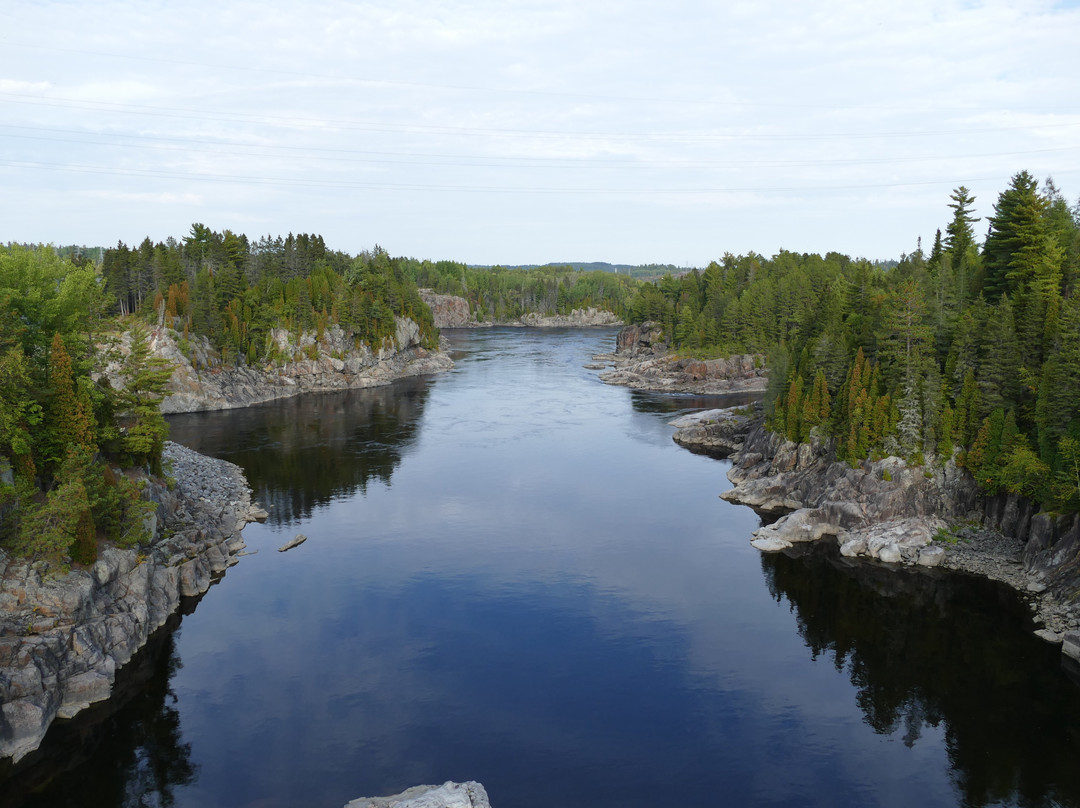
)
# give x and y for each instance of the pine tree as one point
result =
(68, 419)
(999, 367)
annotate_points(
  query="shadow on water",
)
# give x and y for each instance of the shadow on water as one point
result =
(126, 751)
(299, 453)
(647, 401)
(931, 649)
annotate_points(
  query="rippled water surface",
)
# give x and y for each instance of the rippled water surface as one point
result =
(514, 576)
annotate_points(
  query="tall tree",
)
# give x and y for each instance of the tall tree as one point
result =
(960, 243)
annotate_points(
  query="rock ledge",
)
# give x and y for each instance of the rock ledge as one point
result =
(63, 637)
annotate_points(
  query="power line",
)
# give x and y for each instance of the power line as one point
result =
(414, 128)
(471, 161)
(388, 186)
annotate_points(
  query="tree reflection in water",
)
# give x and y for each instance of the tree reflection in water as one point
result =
(299, 453)
(126, 751)
(932, 648)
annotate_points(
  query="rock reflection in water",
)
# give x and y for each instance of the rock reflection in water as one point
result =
(926, 648)
(126, 751)
(299, 453)
(676, 404)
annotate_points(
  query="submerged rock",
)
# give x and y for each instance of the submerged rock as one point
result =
(448, 795)
(295, 541)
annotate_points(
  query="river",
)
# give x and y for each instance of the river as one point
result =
(513, 575)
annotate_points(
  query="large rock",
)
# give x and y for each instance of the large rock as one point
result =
(448, 311)
(802, 525)
(644, 339)
(448, 795)
(719, 433)
(64, 636)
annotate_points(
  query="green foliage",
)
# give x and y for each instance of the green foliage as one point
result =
(143, 430)
(501, 293)
(964, 353)
(1023, 473)
(58, 429)
(59, 526)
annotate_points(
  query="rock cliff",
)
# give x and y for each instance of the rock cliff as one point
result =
(451, 311)
(899, 514)
(308, 364)
(641, 361)
(63, 636)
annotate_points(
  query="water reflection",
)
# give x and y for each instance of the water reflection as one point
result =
(925, 649)
(679, 403)
(552, 599)
(125, 752)
(299, 453)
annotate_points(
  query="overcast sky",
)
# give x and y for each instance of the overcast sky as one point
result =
(526, 132)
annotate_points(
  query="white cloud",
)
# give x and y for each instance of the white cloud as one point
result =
(781, 110)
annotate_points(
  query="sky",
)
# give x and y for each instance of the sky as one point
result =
(531, 131)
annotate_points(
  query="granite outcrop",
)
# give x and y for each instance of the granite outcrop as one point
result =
(642, 361)
(309, 363)
(64, 634)
(892, 512)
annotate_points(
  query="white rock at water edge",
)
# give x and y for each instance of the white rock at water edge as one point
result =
(448, 795)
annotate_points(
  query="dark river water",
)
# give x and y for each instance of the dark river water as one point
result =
(513, 575)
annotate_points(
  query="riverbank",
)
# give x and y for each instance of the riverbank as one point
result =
(890, 512)
(641, 362)
(63, 635)
(311, 363)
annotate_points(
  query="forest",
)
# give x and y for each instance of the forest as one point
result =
(500, 293)
(70, 438)
(968, 352)
(80, 425)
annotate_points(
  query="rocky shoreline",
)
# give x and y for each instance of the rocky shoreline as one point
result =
(308, 364)
(64, 636)
(641, 362)
(889, 512)
(451, 311)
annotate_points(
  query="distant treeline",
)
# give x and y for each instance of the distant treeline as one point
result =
(499, 293)
(971, 350)
(640, 271)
